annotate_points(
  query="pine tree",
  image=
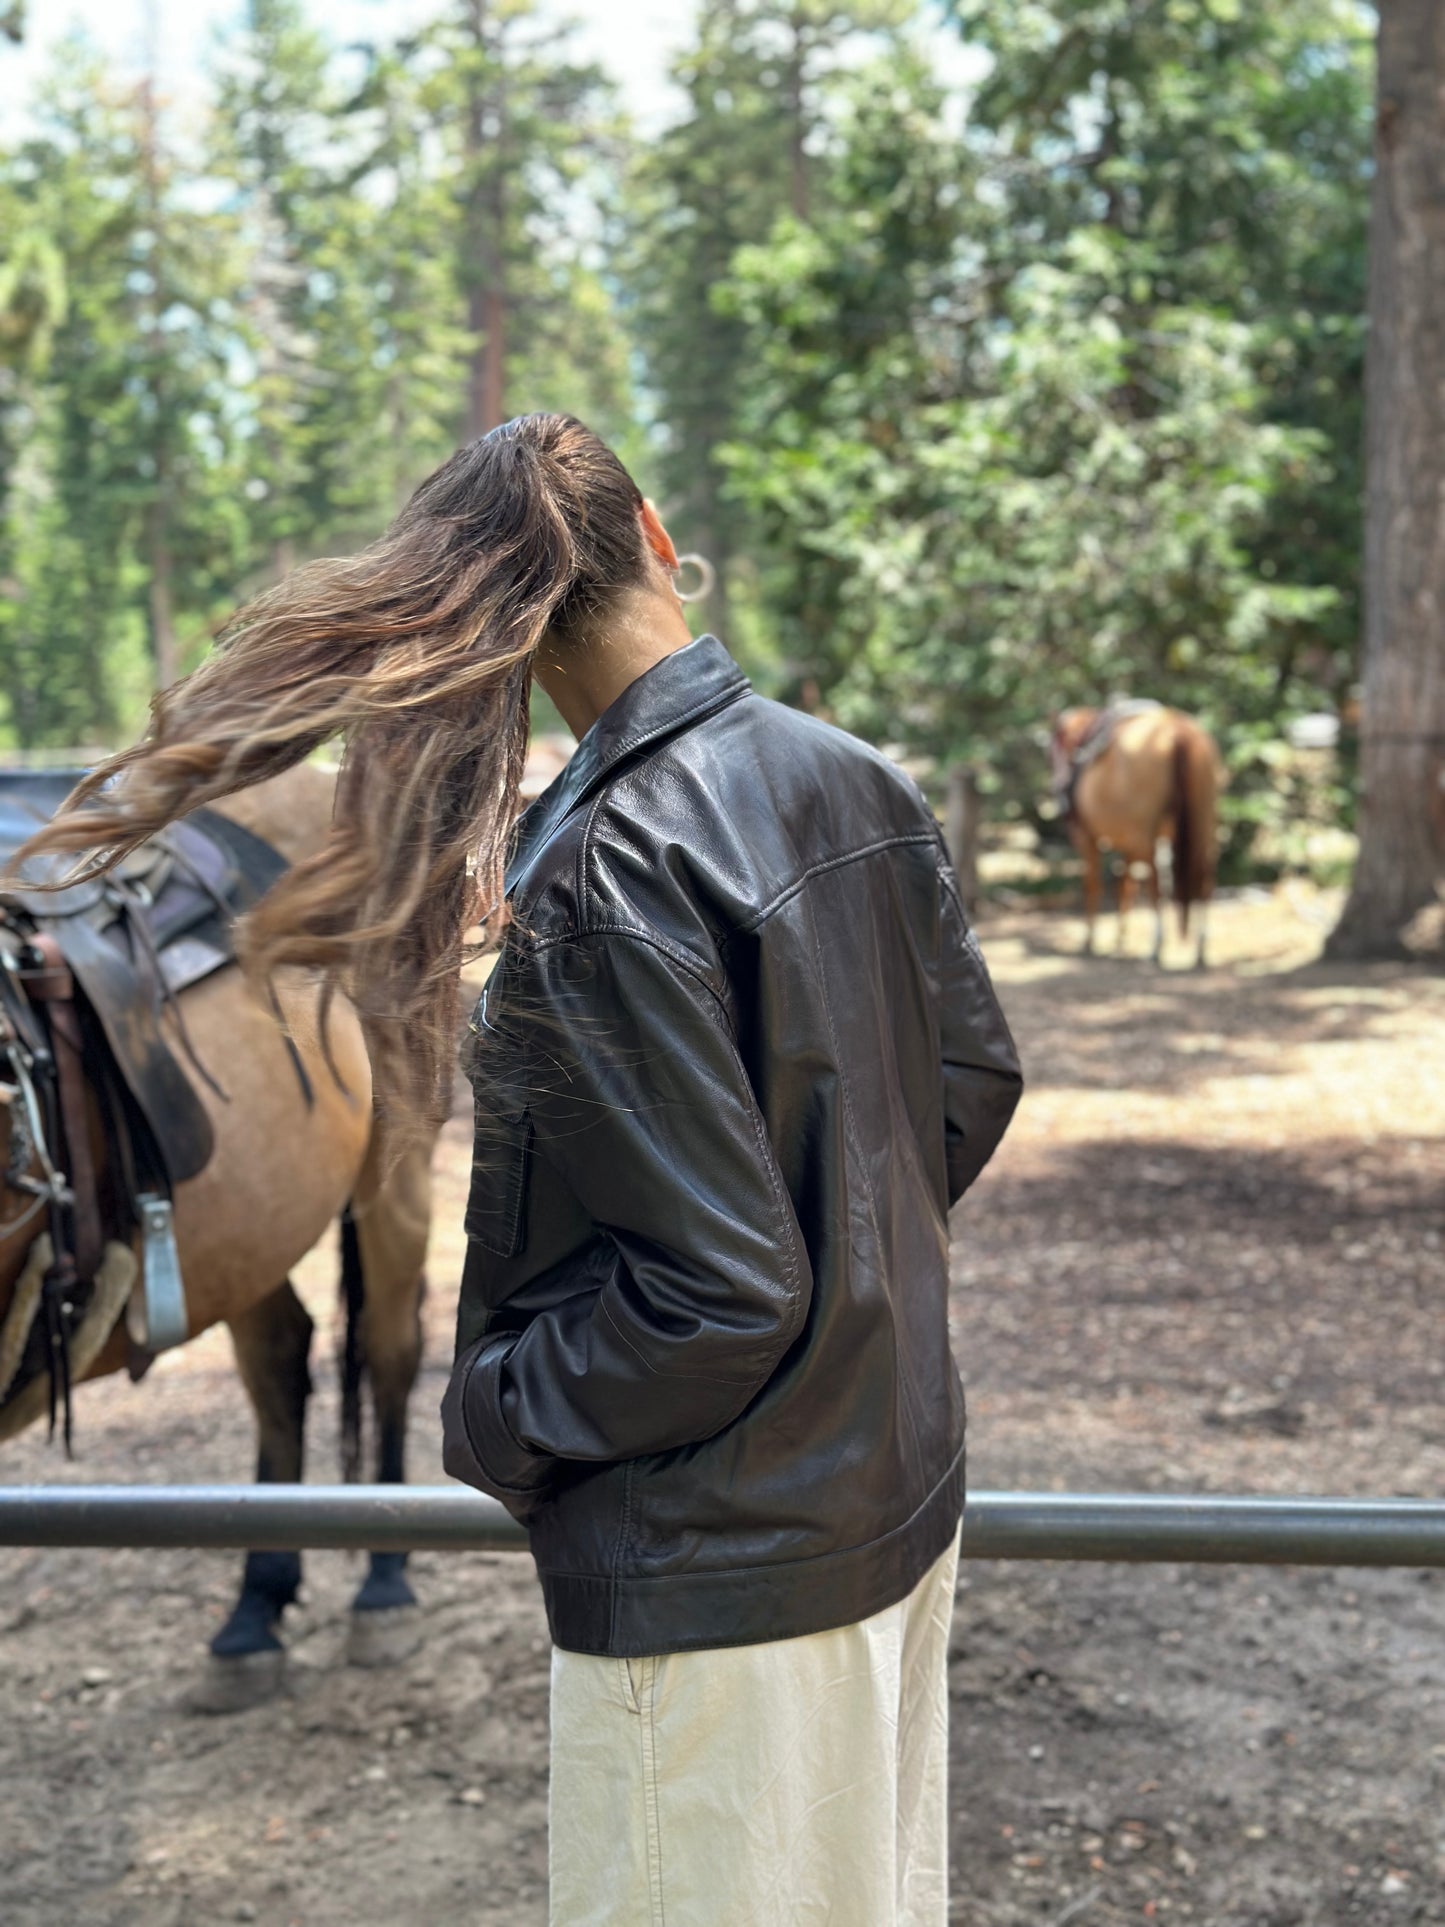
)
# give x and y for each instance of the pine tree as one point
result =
(1214, 152)
(124, 520)
(1038, 416)
(717, 180)
(276, 112)
(524, 131)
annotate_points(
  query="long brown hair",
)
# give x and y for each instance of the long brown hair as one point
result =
(417, 654)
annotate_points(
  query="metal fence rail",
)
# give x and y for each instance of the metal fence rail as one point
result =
(997, 1525)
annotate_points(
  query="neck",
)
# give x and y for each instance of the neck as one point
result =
(585, 678)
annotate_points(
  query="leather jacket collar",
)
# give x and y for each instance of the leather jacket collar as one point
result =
(681, 689)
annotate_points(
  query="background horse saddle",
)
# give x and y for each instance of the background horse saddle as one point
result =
(1096, 739)
(137, 937)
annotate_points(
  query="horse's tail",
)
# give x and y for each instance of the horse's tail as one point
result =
(351, 1356)
(1194, 824)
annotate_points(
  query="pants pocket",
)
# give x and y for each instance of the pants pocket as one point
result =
(638, 1681)
(626, 1686)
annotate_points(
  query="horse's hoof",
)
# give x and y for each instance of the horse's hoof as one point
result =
(384, 1638)
(243, 1680)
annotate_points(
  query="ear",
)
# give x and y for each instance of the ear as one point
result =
(656, 536)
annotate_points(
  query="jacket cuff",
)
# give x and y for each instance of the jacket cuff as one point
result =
(478, 1446)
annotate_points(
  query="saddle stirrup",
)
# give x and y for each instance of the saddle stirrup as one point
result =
(156, 1315)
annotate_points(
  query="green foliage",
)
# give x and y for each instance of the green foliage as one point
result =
(1224, 149)
(984, 402)
(214, 363)
(115, 402)
(743, 154)
(1070, 407)
(524, 141)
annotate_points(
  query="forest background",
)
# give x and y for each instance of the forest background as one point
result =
(984, 397)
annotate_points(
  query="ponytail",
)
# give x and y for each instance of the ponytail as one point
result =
(417, 655)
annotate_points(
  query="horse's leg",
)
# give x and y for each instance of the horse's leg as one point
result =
(1088, 851)
(1200, 960)
(391, 1218)
(272, 1341)
(1155, 898)
(1126, 900)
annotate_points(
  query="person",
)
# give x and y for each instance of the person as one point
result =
(738, 1055)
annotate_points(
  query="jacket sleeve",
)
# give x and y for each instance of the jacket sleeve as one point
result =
(982, 1081)
(637, 1094)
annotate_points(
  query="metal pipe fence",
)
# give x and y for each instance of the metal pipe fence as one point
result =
(1126, 1526)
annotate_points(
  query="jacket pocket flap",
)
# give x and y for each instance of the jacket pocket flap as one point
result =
(497, 1202)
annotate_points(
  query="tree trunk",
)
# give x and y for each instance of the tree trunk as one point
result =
(477, 423)
(1402, 801)
(162, 603)
(714, 608)
(960, 832)
(159, 561)
(487, 319)
(798, 116)
(487, 241)
(494, 387)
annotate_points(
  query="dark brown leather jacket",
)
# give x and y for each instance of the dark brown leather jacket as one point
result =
(738, 1058)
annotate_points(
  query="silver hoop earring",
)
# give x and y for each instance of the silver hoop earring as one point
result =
(706, 578)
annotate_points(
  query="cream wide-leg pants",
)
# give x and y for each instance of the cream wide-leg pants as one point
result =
(793, 1784)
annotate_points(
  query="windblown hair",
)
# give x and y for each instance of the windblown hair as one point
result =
(417, 655)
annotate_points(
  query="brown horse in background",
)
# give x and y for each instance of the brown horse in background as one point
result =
(1131, 776)
(292, 1154)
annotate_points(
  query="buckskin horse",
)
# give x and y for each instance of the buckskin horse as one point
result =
(1129, 776)
(125, 1174)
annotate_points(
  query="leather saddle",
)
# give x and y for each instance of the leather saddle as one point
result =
(137, 937)
(1095, 740)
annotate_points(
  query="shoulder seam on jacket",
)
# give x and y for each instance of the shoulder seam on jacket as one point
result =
(833, 863)
(684, 959)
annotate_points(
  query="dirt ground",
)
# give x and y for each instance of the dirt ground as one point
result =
(1209, 1257)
